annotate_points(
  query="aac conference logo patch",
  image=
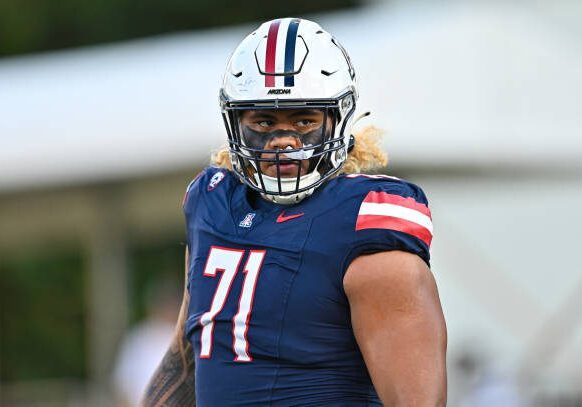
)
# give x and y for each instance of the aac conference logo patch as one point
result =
(215, 180)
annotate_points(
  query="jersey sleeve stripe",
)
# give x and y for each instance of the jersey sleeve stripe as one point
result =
(394, 223)
(396, 211)
(381, 210)
(386, 198)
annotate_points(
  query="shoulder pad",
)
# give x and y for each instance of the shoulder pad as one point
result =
(206, 180)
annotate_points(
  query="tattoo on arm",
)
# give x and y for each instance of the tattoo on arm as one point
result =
(173, 383)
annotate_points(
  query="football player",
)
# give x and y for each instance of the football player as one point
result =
(307, 284)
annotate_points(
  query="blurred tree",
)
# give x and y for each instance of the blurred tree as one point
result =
(40, 25)
(152, 264)
(43, 307)
(42, 311)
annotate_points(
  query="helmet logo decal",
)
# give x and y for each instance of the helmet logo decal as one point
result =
(273, 39)
(279, 91)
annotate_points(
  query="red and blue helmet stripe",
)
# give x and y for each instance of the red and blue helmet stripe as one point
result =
(288, 53)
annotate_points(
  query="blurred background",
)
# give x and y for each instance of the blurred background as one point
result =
(108, 109)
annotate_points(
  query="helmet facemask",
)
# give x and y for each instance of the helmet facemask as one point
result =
(288, 174)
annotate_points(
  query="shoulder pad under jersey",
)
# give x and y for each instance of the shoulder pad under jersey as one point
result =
(207, 180)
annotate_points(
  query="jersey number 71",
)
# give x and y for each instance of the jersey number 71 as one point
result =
(228, 261)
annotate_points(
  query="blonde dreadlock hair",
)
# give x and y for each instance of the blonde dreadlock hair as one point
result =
(367, 154)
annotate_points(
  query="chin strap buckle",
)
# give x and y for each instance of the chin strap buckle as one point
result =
(351, 143)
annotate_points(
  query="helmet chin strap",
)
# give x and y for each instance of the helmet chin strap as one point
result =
(287, 185)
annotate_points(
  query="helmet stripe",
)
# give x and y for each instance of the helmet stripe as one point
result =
(290, 51)
(271, 53)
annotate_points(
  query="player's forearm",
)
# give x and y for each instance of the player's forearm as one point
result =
(173, 383)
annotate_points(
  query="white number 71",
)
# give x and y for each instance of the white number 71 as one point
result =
(227, 261)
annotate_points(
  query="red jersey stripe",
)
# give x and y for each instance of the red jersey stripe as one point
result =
(398, 224)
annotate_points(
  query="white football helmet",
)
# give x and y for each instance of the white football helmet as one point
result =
(289, 63)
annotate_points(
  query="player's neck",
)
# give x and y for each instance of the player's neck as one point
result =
(257, 202)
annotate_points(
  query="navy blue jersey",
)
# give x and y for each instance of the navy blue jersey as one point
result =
(268, 317)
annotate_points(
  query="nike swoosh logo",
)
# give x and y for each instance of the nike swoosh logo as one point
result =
(282, 218)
